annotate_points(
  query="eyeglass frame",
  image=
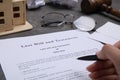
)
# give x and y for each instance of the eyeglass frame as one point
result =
(60, 22)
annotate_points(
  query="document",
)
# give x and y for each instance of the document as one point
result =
(108, 33)
(50, 56)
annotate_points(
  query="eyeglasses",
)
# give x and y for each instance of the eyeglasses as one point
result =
(54, 19)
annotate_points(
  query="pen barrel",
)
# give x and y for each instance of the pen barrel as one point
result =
(89, 58)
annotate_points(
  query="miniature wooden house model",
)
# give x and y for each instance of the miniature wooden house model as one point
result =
(12, 15)
(6, 15)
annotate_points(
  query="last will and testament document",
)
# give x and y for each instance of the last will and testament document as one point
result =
(47, 57)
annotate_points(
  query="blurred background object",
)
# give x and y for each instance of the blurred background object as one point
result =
(90, 6)
(33, 4)
(67, 3)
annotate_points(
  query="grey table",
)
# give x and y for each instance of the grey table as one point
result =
(34, 17)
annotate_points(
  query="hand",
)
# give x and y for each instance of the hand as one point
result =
(109, 68)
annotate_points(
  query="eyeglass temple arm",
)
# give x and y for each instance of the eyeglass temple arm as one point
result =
(47, 24)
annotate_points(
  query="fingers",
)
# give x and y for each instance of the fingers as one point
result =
(109, 77)
(103, 72)
(117, 44)
(99, 65)
(110, 52)
(100, 55)
(109, 69)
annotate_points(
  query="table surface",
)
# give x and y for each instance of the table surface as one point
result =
(34, 18)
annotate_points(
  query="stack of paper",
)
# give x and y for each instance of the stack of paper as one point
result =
(47, 57)
(108, 33)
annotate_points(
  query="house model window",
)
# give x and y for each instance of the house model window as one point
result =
(1, 1)
(2, 21)
(16, 11)
(16, 15)
(1, 14)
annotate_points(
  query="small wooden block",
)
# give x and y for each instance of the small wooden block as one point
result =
(16, 29)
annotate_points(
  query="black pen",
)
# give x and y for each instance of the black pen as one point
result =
(90, 58)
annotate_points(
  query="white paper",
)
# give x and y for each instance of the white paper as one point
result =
(103, 38)
(47, 57)
(108, 33)
(110, 29)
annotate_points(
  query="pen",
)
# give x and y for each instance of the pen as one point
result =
(89, 58)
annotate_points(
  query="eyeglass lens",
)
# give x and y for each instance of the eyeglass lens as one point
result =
(56, 19)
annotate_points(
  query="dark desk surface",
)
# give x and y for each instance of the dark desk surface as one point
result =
(34, 17)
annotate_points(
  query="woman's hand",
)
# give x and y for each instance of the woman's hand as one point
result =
(109, 68)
